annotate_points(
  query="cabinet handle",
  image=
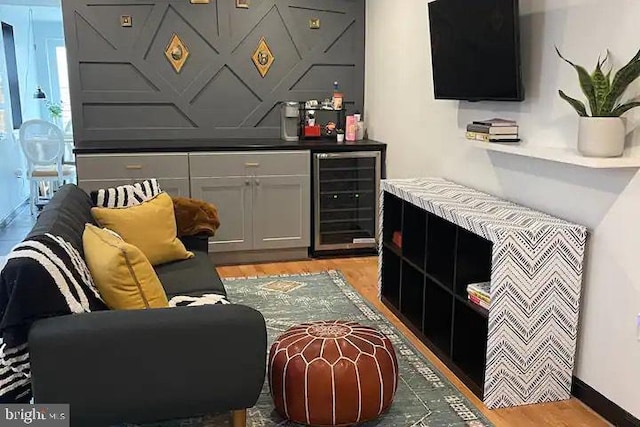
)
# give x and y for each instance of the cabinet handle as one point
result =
(133, 167)
(258, 182)
(247, 182)
(252, 165)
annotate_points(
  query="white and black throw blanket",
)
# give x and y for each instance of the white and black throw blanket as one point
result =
(125, 196)
(192, 301)
(45, 276)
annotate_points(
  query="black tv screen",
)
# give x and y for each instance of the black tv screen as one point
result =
(475, 49)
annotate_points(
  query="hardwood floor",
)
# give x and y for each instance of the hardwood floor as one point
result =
(362, 274)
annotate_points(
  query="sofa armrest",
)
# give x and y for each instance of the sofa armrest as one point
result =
(199, 242)
(146, 365)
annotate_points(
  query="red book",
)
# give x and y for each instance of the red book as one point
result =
(477, 301)
(397, 238)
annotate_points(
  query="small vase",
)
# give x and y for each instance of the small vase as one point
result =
(601, 136)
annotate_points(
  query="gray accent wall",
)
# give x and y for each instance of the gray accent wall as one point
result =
(123, 88)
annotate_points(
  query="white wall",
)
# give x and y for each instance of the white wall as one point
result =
(48, 35)
(13, 190)
(425, 139)
(18, 17)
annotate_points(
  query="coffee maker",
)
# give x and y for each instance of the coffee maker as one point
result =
(289, 120)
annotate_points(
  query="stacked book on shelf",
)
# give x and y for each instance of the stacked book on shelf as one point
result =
(493, 130)
(479, 294)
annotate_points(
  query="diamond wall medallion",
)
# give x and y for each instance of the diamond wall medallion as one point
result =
(176, 52)
(262, 57)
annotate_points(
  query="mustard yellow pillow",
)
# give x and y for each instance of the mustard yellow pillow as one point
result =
(124, 277)
(150, 226)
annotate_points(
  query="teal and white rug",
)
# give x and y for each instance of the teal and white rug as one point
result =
(424, 398)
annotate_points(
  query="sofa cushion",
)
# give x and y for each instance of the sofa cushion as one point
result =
(65, 216)
(194, 277)
(150, 226)
(124, 276)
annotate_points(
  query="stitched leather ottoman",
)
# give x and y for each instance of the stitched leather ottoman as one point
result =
(332, 373)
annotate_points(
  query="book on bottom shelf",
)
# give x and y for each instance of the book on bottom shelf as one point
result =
(477, 301)
(478, 136)
(481, 296)
(493, 130)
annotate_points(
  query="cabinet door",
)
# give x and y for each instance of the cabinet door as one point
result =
(281, 212)
(233, 198)
(175, 186)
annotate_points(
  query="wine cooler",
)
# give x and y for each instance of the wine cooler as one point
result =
(346, 200)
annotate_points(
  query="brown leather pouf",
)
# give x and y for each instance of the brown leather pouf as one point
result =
(332, 373)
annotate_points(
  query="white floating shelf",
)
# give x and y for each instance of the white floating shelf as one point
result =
(560, 155)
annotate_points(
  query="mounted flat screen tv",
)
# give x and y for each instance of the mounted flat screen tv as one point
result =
(475, 49)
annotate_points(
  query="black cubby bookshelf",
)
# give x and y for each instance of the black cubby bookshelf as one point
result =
(424, 282)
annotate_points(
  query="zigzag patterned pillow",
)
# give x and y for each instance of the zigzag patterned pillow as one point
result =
(125, 196)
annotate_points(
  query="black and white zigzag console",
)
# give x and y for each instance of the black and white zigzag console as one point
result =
(436, 238)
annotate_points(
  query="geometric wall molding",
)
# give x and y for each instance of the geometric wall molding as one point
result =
(145, 65)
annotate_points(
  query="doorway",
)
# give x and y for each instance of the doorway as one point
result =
(34, 86)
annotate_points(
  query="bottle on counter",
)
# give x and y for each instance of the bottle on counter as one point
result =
(352, 129)
(337, 98)
(360, 130)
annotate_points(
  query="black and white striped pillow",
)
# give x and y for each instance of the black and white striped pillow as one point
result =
(125, 196)
(45, 276)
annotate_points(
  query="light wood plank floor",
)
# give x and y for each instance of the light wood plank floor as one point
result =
(362, 275)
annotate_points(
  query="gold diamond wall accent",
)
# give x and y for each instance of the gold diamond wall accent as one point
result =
(263, 58)
(176, 52)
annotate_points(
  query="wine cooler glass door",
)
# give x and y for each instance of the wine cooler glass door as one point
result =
(346, 214)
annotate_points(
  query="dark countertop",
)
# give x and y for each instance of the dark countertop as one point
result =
(323, 145)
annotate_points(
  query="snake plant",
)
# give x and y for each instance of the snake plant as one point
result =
(603, 92)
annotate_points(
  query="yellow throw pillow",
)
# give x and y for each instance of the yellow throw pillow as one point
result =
(123, 275)
(150, 226)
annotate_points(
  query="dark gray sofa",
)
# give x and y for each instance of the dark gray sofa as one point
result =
(146, 365)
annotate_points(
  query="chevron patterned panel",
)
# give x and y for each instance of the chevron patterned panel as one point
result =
(535, 288)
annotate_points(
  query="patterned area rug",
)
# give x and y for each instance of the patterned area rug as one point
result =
(424, 397)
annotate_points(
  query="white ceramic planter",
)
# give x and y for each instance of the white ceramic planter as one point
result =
(601, 136)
